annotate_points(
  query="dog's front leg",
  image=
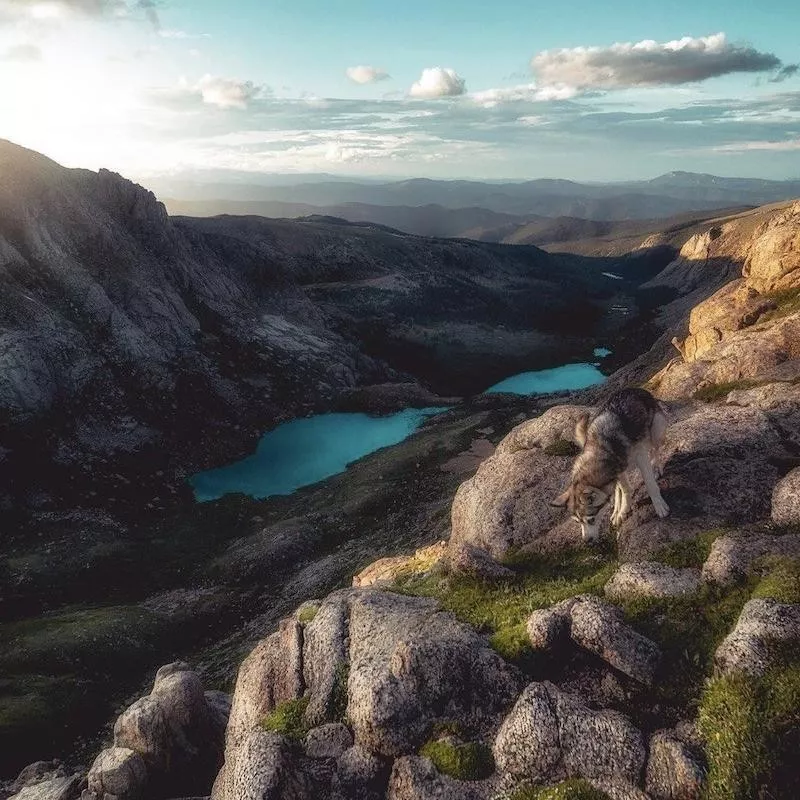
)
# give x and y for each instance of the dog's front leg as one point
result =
(646, 468)
(621, 500)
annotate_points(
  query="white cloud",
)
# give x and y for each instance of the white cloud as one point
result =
(438, 82)
(56, 10)
(21, 52)
(364, 74)
(226, 92)
(524, 93)
(649, 63)
(743, 147)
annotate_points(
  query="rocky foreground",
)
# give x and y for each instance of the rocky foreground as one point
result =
(510, 662)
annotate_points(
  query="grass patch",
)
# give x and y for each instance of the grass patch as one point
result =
(502, 608)
(744, 722)
(338, 701)
(471, 761)
(688, 630)
(781, 581)
(562, 447)
(786, 302)
(718, 391)
(689, 552)
(575, 789)
(287, 719)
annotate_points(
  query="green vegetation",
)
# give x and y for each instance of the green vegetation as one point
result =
(287, 718)
(781, 581)
(743, 721)
(566, 790)
(307, 613)
(469, 761)
(719, 391)
(562, 447)
(502, 608)
(338, 701)
(688, 630)
(689, 552)
(787, 301)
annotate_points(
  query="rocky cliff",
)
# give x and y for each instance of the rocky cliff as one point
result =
(136, 344)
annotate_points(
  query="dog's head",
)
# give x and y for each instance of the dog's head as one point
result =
(584, 504)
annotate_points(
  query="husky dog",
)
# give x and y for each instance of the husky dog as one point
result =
(624, 432)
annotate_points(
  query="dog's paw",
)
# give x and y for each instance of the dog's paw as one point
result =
(662, 509)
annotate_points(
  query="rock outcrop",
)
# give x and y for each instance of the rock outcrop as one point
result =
(393, 665)
(651, 579)
(763, 626)
(550, 735)
(750, 326)
(174, 734)
(598, 627)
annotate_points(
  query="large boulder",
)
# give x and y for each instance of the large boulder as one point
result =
(763, 626)
(119, 772)
(506, 504)
(411, 665)
(551, 735)
(63, 788)
(175, 731)
(674, 772)
(734, 556)
(720, 469)
(264, 770)
(596, 626)
(415, 778)
(786, 499)
(651, 579)
(270, 675)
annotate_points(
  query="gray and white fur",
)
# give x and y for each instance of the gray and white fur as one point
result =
(625, 431)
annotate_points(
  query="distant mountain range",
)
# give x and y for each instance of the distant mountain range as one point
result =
(498, 212)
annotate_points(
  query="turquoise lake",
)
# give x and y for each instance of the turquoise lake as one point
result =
(558, 379)
(304, 451)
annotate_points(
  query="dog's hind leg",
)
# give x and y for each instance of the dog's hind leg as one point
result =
(642, 459)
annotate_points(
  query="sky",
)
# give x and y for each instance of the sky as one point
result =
(585, 90)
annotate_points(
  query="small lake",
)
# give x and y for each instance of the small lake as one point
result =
(304, 451)
(558, 379)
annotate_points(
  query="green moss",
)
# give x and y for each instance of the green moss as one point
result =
(471, 761)
(689, 552)
(743, 722)
(718, 391)
(566, 790)
(688, 631)
(502, 608)
(562, 447)
(307, 613)
(781, 581)
(338, 702)
(287, 718)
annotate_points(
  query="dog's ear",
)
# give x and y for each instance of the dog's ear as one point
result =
(562, 499)
(580, 429)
